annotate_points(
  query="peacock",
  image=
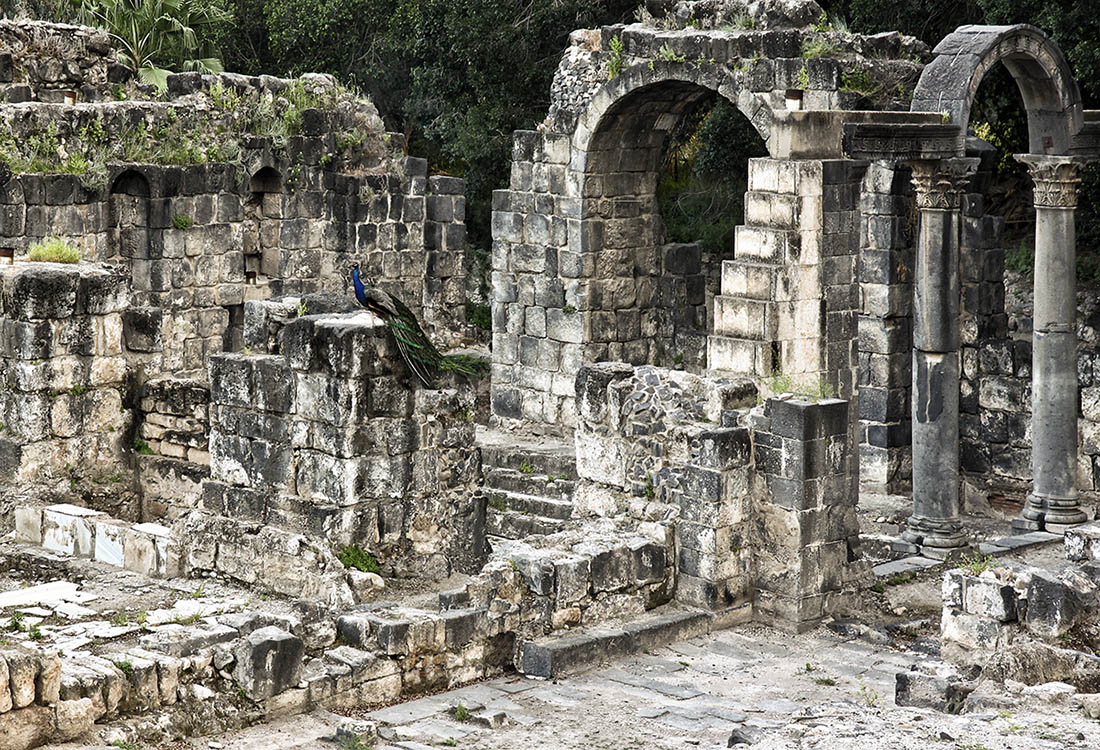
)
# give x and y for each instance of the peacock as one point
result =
(419, 353)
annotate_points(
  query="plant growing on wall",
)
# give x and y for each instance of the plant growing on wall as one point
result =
(155, 37)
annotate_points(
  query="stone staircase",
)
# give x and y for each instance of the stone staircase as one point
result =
(529, 483)
(768, 316)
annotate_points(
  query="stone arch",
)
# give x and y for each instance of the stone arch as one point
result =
(128, 214)
(266, 180)
(648, 301)
(1051, 97)
(261, 232)
(610, 98)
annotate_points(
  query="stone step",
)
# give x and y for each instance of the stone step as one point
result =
(742, 278)
(739, 355)
(778, 210)
(584, 649)
(527, 483)
(532, 505)
(513, 524)
(549, 456)
(744, 318)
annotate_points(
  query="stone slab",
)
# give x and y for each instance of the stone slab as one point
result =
(904, 565)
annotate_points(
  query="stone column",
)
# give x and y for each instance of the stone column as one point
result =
(935, 527)
(1053, 504)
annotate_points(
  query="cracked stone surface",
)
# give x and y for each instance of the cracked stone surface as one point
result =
(818, 691)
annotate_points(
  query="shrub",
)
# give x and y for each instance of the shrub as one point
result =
(54, 250)
(354, 556)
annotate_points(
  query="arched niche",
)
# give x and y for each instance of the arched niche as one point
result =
(128, 214)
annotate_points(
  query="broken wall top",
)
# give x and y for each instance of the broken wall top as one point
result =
(761, 49)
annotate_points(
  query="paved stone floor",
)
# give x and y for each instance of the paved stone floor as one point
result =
(814, 691)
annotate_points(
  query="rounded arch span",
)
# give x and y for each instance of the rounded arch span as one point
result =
(131, 182)
(640, 90)
(644, 297)
(1053, 102)
(266, 180)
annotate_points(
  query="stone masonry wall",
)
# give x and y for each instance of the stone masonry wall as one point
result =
(579, 272)
(46, 62)
(764, 516)
(287, 218)
(330, 439)
(64, 374)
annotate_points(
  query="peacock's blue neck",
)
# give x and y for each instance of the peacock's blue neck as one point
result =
(360, 288)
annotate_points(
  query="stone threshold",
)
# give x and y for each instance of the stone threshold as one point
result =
(917, 563)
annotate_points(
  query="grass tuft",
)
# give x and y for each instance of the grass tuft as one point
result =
(54, 250)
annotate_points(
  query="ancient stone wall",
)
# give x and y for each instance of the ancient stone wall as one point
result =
(57, 63)
(329, 439)
(64, 374)
(581, 272)
(764, 517)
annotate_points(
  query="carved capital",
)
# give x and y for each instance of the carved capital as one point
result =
(1055, 178)
(940, 183)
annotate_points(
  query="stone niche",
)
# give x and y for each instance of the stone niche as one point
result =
(330, 441)
(762, 497)
(63, 372)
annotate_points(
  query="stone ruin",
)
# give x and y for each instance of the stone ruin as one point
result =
(200, 403)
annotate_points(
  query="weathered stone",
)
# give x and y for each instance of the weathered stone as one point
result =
(268, 661)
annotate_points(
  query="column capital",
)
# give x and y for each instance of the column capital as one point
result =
(940, 183)
(1055, 178)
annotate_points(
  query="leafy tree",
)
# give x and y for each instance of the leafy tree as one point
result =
(457, 77)
(155, 37)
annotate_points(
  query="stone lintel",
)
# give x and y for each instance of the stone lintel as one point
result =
(904, 141)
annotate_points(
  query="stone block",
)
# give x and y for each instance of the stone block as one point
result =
(1054, 606)
(989, 597)
(268, 661)
(922, 690)
(28, 524)
(22, 670)
(109, 542)
(27, 728)
(69, 529)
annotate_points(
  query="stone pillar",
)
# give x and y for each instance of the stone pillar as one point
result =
(1053, 504)
(935, 527)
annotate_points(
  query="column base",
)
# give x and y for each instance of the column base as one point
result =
(1024, 525)
(1050, 514)
(939, 538)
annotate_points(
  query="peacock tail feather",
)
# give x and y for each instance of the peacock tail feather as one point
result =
(416, 349)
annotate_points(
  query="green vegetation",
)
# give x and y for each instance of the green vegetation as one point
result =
(668, 54)
(35, 634)
(354, 556)
(615, 60)
(496, 502)
(187, 136)
(155, 37)
(526, 468)
(352, 742)
(182, 221)
(126, 745)
(461, 712)
(53, 250)
(479, 315)
(819, 47)
(142, 448)
(125, 666)
(15, 624)
(814, 390)
(977, 564)
(705, 175)
(648, 492)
